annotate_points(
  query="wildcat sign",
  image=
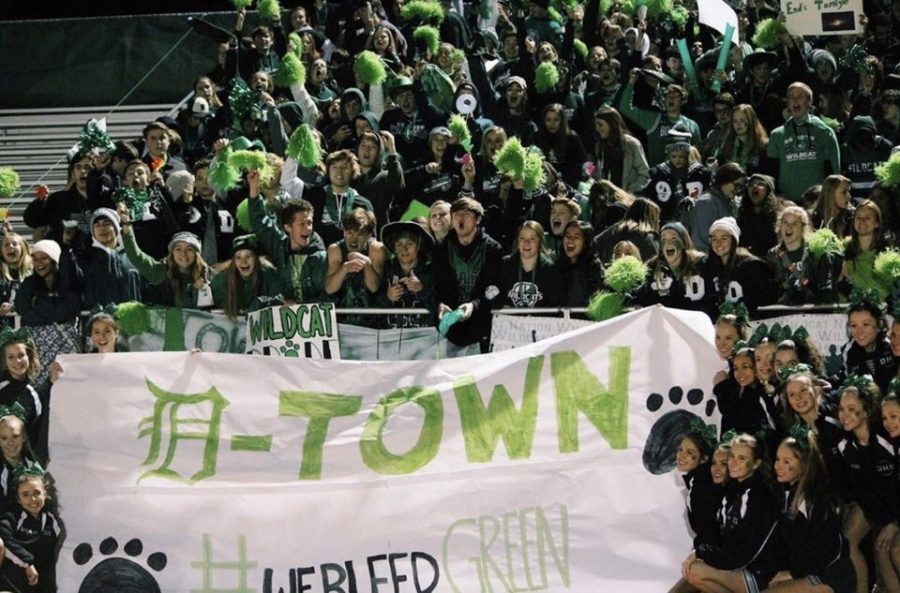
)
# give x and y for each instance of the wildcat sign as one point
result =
(519, 470)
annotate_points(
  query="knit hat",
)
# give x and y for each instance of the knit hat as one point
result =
(185, 237)
(678, 138)
(727, 224)
(823, 54)
(768, 180)
(200, 108)
(245, 242)
(109, 214)
(519, 81)
(675, 226)
(48, 247)
(177, 182)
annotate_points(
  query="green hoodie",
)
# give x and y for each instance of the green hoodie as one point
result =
(807, 151)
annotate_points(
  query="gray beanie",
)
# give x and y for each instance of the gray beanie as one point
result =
(177, 182)
(823, 54)
(109, 213)
(185, 237)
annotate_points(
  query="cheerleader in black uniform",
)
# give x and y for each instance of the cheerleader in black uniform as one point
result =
(868, 352)
(815, 552)
(694, 459)
(868, 469)
(887, 544)
(742, 398)
(31, 536)
(744, 559)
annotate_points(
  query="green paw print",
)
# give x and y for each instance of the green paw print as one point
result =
(290, 349)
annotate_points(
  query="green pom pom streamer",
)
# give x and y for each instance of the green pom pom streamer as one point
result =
(9, 182)
(94, 138)
(458, 128)
(888, 173)
(223, 177)
(887, 265)
(545, 77)
(429, 37)
(533, 171)
(625, 274)
(605, 6)
(555, 15)
(290, 71)
(252, 160)
(296, 44)
(605, 305)
(303, 147)
(824, 242)
(241, 4)
(679, 17)
(134, 199)
(657, 8)
(369, 68)
(768, 33)
(241, 100)
(457, 56)
(242, 214)
(510, 159)
(581, 48)
(424, 11)
(134, 318)
(269, 9)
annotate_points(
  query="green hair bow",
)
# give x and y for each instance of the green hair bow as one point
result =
(739, 310)
(728, 437)
(867, 297)
(861, 383)
(110, 309)
(703, 431)
(800, 433)
(23, 471)
(16, 409)
(894, 386)
(15, 336)
(786, 372)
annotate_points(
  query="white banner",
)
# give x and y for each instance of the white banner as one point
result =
(294, 331)
(544, 468)
(716, 14)
(823, 17)
(828, 331)
(514, 331)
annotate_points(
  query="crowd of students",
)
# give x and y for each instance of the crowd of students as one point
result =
(364, 153)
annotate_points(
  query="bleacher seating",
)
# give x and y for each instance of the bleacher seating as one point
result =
(34, 143)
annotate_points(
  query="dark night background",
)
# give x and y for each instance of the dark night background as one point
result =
(24, 10)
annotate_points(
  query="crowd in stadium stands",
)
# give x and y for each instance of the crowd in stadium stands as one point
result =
(460, 158)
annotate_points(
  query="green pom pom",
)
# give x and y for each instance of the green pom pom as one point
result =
(605, 305)
(605, 6)
(269, 9)
(656, 8)
(534, 170)
(134, 318)
(853, 61)
(223, 176)
(887, 265)
(457, 56)
(458, 128)
(296, 44)
(9, 182)
(510, 159)
(768, 33)
(824, 242)
(429, 37)
(625, 274)
(252, 160)
(679, 17)
(92, 137)
(581, 48)
(290, 71)
(304, 147)
(545, 77)
(423, 10)
(241, 4)
(241, 100)
(888, 173)
(627, 6)
(242, 213)
(555, 15)
(369, 68)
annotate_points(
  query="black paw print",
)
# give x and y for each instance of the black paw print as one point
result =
(669, 429)
(118, 573)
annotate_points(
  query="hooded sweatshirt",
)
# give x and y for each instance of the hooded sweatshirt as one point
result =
(381, 182)
(861, 153)
(807, 151)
